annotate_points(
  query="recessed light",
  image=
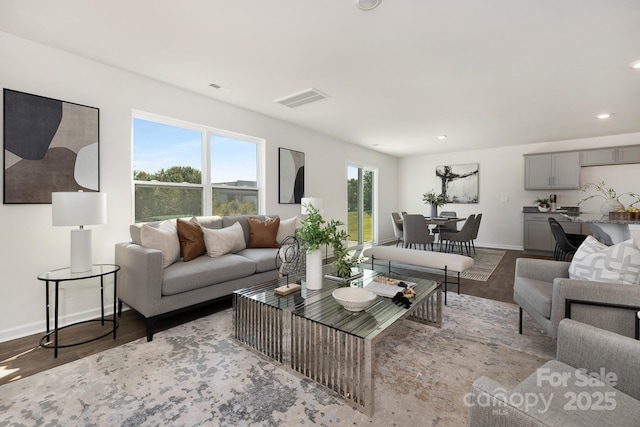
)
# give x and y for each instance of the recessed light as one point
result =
(442, 136)
(603, 116)
(635, 65)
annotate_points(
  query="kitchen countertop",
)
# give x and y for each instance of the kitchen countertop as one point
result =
(598, 219)
(561, 210)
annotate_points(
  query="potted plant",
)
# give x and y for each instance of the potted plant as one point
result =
(435, 200)
(343, 262)
(313, 234)
(610, 196)
(543, 204)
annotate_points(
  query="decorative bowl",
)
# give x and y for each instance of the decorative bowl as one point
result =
(354, 299)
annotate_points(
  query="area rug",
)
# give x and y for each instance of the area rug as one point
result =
(485, 262)
(197, 374)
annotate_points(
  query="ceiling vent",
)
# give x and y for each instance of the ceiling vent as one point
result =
(305, 97)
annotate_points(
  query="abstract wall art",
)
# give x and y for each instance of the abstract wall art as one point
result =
(49, 145)
(459, 183)
(291, 176)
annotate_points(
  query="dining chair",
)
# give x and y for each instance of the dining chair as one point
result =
(476, 228)
(416, 232)
(447, 227)
(397, 226)
(566, 243)
(463, 237)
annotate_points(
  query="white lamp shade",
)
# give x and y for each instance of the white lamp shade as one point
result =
(316, 202)
(79, 208)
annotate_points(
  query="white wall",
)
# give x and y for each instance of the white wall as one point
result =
(31, 245)
(502, 175)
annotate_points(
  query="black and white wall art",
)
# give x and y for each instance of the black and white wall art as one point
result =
(291, 176)
(49, 145)
(459, 183)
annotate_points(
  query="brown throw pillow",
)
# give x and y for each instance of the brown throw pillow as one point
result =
(262, 234)
(191, 239)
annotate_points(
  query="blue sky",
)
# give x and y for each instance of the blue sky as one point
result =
(158, 146)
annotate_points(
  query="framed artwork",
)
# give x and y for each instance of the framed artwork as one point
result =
(49, 145)
(459, 183)
(290, 176)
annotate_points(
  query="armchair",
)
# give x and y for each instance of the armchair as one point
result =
(542, 289)
(560, 393)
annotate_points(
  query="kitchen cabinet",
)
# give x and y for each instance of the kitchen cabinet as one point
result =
(538, 239)
(552, 171)
(610, 156)
(629, 154)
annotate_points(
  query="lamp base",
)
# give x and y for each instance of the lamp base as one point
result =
(81, 255)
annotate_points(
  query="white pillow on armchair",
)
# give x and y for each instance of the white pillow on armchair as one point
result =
(596, 261)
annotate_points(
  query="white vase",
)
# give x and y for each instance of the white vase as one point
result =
(314, 270)
(611, 206)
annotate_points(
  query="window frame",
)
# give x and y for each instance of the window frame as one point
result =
(206, 186)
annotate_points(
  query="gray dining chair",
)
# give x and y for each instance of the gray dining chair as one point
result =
(462, 237)
(415, 232)
(397, 226)
(453, 227)
(476, 228)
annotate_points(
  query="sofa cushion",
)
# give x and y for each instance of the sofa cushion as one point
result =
(596, 261)
(286, 228)
(212, 222)
(264, 258)
(191, 239)
(224, 241)
(262, 234)
(535, 292)
(228, 221)
(204, 271)
(164, 238)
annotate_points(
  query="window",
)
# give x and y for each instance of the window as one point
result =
(182, 170)
(360, 194)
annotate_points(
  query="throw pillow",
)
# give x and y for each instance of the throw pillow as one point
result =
(262, 234)
(224, 241)
(596, 261)
(287, 228)
(191, 239)
(164, 238)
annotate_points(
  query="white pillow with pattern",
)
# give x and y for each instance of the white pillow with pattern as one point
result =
(596, 261)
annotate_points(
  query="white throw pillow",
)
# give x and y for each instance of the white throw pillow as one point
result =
(164, 238)
(224, 241)
(287, 228)
(596, 261)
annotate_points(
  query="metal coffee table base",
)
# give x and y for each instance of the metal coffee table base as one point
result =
(341, 362)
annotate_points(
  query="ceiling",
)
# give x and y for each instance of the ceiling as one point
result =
(489, 73)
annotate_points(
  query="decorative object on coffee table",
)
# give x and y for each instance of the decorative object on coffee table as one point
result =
(354, 299)
(312, 235)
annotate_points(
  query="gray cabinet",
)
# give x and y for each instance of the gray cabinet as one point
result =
(538, 239)
(605, 156)
(610, 156)
(552, 171)
(628, 154)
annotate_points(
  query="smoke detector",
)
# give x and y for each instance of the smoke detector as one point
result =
(367, 4)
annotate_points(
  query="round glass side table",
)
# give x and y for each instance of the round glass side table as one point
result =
(65, 275)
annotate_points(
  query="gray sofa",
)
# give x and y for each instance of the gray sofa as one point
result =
(559, 395)
(542, 289)
(155, 292)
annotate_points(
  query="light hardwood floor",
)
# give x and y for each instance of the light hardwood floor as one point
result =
(24, 357)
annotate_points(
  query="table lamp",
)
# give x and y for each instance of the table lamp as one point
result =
(316, 202)
(79, 208)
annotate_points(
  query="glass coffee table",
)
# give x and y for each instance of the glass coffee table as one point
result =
(312, 335)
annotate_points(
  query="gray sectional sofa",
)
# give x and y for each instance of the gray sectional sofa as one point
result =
(156, 291)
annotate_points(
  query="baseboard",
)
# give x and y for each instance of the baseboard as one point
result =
(41, 326)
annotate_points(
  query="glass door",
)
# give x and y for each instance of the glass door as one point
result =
(360, 202)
